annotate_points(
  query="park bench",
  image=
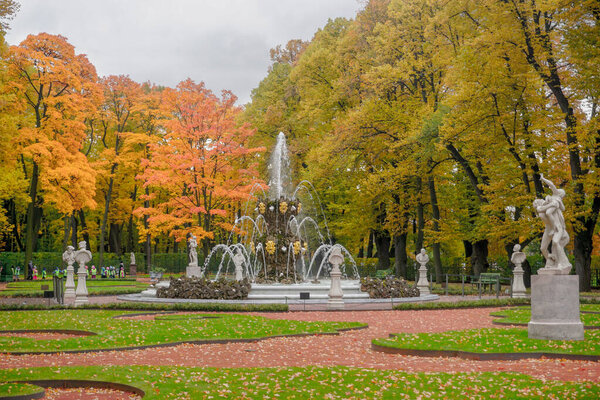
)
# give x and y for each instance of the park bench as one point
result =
(488, 278)
(155, 276)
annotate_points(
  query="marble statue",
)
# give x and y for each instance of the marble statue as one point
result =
(518, 258)
(423, 283)
(193, 252)
(132, 256)
(555, 233)
(238, 261)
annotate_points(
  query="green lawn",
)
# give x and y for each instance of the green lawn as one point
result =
(522, 315)
(94, 286)
(492, 340)
(118, 332)
(313, 383)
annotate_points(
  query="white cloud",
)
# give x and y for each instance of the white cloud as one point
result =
(224, 43)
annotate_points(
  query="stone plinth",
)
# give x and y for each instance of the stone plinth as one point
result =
(69, 296)
(193, 271)
(423, 283)
(81, 294)
(518, 288)
(555, 308)
(132, 269)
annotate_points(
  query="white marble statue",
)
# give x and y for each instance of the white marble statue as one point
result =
(423, 283)
(422, 258)
(555, 233)
(193, 252)
(132, 256)
(518, 258)
(238, 261)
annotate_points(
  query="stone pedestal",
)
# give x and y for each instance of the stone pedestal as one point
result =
(423, 284)
(518, 288)
(81, 294)
(132, 269)
(336, 296)
(69, 297)
(193, 271)
(336, 301)
(555, 308)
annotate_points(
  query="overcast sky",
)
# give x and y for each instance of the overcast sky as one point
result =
(224, 43)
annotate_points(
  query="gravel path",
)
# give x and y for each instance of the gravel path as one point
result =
(352, 348)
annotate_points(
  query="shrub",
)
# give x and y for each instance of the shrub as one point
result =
(194, 288)
(388, 287)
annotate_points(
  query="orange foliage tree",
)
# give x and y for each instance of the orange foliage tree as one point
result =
(201, 166)
(54, 89)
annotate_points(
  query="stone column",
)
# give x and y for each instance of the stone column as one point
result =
(81, 294)
(518, 286)
(336, 297)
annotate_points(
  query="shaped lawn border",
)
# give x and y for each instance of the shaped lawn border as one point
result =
(469, 355)
(165, 313)
(499, 318)
(173, 344)
(72, 383)
(59, 331)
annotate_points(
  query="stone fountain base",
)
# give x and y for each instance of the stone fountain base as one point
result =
(284, 294)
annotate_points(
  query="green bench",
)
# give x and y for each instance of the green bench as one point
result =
(488, 278)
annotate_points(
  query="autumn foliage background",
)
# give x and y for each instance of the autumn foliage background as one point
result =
(420, 123)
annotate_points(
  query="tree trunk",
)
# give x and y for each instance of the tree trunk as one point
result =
(420, 219)
(30, 232)
(435, 213)
(114, 238)
(479, 260)
(582, 246)
(400, 258)
(84, 231)
(74, 224)
(382, 241)
(107, 198)
(66, 231)
(148, 244)
(370, 245)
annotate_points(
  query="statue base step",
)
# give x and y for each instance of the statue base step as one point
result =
(132, 269)
(555, 308)
(193, 272)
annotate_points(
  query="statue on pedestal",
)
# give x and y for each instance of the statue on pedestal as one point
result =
(555, 233)
(423, 284)
(132, 257)
(238, 261)
(336, 296)
(82, 256)
(69, 258)
(518, 258)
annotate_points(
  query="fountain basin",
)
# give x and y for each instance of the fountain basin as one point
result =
(318, 291)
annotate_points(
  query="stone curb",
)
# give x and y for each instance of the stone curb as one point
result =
(63, 331)
(173, 344)
(482, 356)
(72, 383)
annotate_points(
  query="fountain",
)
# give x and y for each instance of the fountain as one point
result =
(282, 246)
(280, 243)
